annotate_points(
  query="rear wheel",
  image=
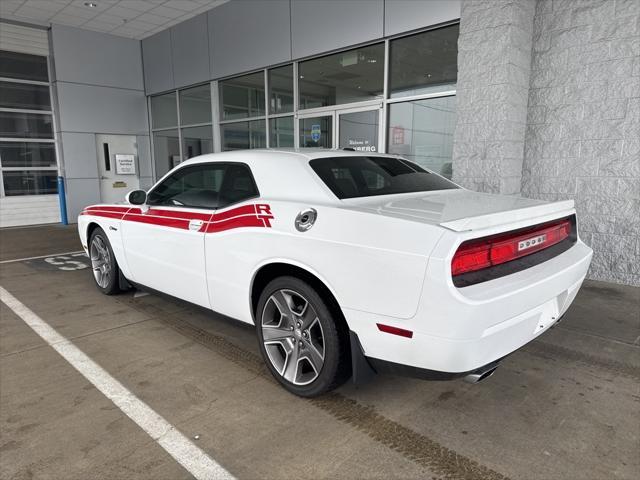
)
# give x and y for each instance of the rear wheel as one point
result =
(300, 340)
(103, 263)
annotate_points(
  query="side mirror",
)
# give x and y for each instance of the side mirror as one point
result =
(136, 197)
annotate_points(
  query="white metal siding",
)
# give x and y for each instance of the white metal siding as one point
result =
(29, 210)
(17, 38)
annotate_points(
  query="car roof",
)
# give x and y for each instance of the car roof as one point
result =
(302, 154)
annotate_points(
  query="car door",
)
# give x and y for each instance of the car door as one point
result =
(164, 239)
(232, 241)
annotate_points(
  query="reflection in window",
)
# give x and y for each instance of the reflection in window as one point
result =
(281, 89)
(242, 97)
(197, 141)
(166, 151)
(422, 131)
(281, 132)
(243, 135)
(25, 125)
(23, 154)
(24, 95)
(195, 105)
(30, 182)
(23, 66)
(163, 111)
(424, 63)
(345, 77)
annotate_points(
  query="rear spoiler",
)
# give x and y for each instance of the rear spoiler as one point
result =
(561, 208)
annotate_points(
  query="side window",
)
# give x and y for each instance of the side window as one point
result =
(238, 185)
(197, 187)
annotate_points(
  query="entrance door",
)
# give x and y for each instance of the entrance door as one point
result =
(117, 166)
(359, 129)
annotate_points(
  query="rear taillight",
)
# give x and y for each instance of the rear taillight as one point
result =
(487, 252)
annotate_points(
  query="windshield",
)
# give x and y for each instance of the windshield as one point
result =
(351, 177)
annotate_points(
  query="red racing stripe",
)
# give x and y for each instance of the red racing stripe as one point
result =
(255, 215)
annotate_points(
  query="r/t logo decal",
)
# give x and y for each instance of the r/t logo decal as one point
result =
(264, 213)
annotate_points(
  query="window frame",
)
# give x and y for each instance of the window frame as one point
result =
(53, 140)
(225, 164)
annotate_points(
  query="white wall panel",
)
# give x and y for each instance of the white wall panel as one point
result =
(157, 61)
(190, 51)
(91, 109)
(96, 58)
(323, 25)
(248, 34)
(405, 15)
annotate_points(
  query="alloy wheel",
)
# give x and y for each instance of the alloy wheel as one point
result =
(100, 261)
(293, 337)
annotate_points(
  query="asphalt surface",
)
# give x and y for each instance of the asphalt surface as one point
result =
(566, 406)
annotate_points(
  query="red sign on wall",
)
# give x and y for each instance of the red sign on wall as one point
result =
(397, 135)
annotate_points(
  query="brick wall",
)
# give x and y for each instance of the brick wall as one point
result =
(583, 126)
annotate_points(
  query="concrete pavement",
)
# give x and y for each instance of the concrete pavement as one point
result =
(565, 406)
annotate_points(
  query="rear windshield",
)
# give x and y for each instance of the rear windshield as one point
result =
(351, 177)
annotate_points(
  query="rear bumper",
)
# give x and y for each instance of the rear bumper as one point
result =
(458, 330)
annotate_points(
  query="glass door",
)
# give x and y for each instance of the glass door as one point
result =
(360, 129)
(316, 131)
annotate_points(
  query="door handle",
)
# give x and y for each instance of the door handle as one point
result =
(195, 224)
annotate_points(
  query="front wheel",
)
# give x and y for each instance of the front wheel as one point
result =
(300, 339)
(103, 263)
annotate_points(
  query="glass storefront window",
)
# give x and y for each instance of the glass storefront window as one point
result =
(195, 105)
(242, 97)
(243, 135)
(352, 76)
(25, 96)
(424, 63)
(166, 150)
(23, 66)
(281, 89)
(316, 132)
(30, 182)
(281, 132)
(25, 125)
(422, 131)
(31, 154)
(163, 111)
(197, 141)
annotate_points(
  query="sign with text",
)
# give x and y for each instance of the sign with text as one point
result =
(125, 164)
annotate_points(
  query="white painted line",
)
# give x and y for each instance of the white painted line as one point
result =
(194, 460)
(140, 293)
(41, 256)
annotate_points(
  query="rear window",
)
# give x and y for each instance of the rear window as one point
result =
(351, 177)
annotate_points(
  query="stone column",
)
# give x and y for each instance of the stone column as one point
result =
(494, 63)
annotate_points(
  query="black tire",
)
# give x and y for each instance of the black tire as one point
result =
(97, 242)
(336, 366)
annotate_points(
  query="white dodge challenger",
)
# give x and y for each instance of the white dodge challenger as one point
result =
(347, 263)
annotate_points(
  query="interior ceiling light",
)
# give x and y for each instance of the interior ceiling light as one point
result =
(90, 4)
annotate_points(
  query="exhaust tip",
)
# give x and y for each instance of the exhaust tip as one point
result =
(480, 375)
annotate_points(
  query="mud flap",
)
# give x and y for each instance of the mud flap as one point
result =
(362, 372)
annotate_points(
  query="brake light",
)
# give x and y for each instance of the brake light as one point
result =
(490, 251)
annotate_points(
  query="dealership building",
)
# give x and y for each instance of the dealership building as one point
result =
(516, 97)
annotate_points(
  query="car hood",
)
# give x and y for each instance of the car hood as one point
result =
(458, 209)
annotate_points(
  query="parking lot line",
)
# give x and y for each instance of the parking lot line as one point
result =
(185, 452)
(41, 256)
